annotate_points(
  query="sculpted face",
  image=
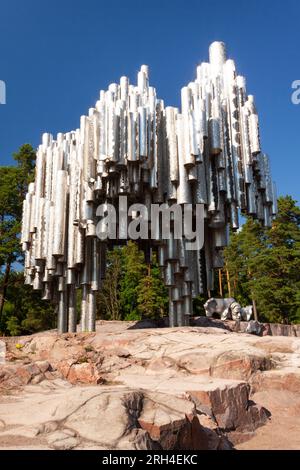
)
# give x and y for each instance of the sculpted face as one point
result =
(210, 307)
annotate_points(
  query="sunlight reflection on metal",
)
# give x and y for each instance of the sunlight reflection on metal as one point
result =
(130, 144)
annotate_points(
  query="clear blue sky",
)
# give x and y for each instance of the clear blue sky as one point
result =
(55, 56)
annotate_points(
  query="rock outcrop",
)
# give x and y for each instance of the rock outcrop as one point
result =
(129, 388)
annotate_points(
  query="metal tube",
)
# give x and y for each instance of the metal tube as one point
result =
(72, 314)
(84, 308)
(62, 322)
(60, 213)
(91, 313)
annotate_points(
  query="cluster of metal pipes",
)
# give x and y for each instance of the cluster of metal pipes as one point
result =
(131, 144)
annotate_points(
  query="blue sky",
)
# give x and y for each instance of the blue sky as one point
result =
(55, 56)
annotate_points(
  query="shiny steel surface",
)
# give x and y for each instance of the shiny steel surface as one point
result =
(208, 152)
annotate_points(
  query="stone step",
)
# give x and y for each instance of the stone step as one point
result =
(226, 401)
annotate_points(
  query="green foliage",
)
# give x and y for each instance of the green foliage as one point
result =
(263, 264)
(198, 302)
(13, 327)
(10, 249)
(109, 295)
(133, 270)
(131, 289)
(25, 158)
(152, 297)
(133, 316)
(21, 309)
(25, 312)
(10, 215)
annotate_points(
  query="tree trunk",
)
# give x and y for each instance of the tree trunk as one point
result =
(220, 283)
(228, 282)
(254, 310)
(4, 286)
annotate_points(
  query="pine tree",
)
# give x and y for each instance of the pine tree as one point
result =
(131, 290)
(13, 186)
(109, 295)
(263, 264)
(152, 299)
(133, 270)
(24, 311)
(10, 226)
(278, 277)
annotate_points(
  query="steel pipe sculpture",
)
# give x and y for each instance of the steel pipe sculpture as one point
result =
(130, 144)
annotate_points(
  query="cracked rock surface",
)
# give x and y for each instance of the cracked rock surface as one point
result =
(126, 387)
